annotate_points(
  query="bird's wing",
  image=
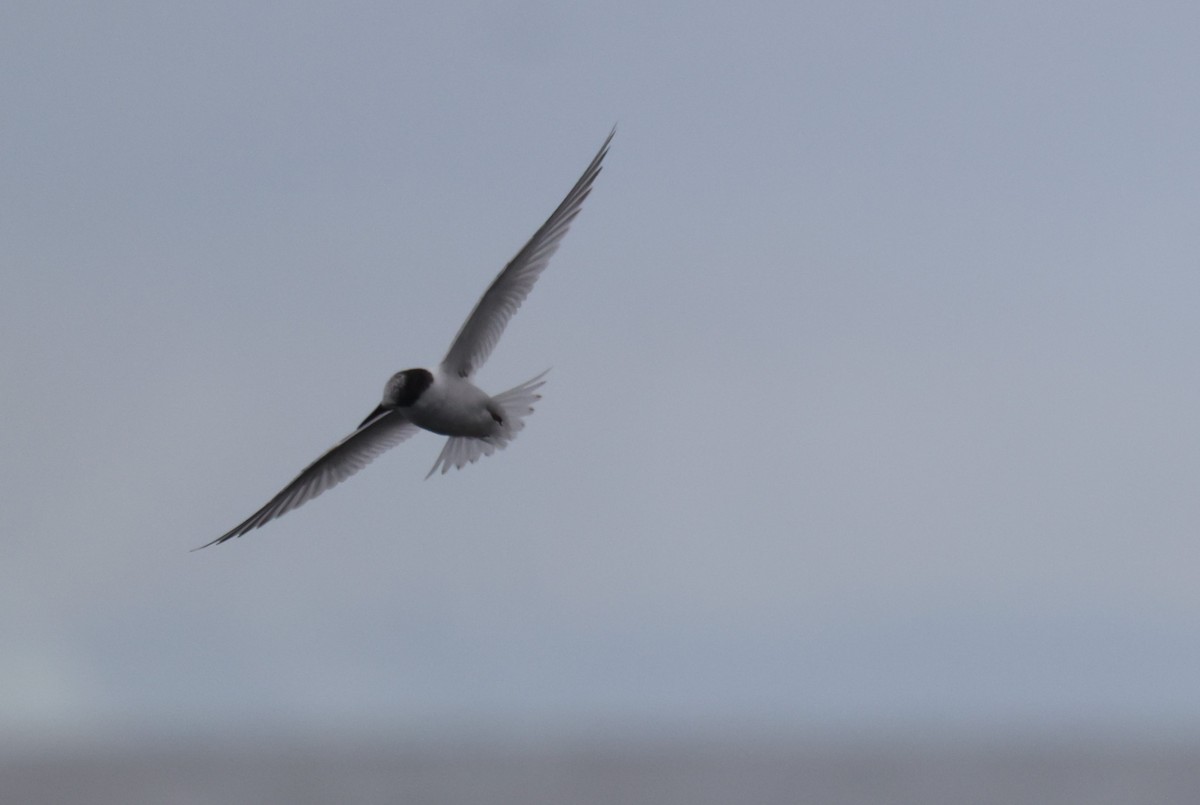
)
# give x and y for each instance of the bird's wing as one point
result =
(372, 439)
(487, 321)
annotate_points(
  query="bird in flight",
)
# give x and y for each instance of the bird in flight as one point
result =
(444, 400)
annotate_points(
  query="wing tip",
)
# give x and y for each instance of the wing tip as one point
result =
(228, 535)
(216, 541)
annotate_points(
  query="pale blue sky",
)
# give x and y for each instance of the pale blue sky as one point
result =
(874, 356)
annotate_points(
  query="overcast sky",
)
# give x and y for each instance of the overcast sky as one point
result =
(874, 356)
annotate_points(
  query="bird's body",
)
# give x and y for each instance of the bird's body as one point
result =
(444, 400)
(454, 406)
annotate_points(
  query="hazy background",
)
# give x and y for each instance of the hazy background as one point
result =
(874, 392)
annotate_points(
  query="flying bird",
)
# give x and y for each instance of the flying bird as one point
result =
(444, 400)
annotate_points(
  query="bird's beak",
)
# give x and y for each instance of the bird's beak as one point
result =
(379, 411)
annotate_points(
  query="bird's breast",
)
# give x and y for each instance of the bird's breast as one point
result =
(454, 407)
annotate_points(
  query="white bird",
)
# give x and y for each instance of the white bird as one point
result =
(444, 400)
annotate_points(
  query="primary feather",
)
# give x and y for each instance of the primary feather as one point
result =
(482, 329)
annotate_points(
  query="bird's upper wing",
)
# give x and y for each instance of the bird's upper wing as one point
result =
(483, 327)
(345, 458)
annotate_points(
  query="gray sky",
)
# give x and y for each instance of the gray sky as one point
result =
(874, 356)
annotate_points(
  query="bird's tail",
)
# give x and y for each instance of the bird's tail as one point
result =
(516, 404)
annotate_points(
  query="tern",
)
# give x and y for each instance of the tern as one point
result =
(444, 400)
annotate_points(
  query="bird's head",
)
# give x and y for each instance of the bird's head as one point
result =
(405, 388)
(401, 391)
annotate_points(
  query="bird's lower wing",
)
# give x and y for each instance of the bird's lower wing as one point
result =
(337, 464)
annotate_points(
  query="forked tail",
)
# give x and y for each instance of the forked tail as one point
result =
(516, 404)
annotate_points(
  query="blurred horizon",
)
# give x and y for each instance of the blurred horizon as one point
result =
(658, 768)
